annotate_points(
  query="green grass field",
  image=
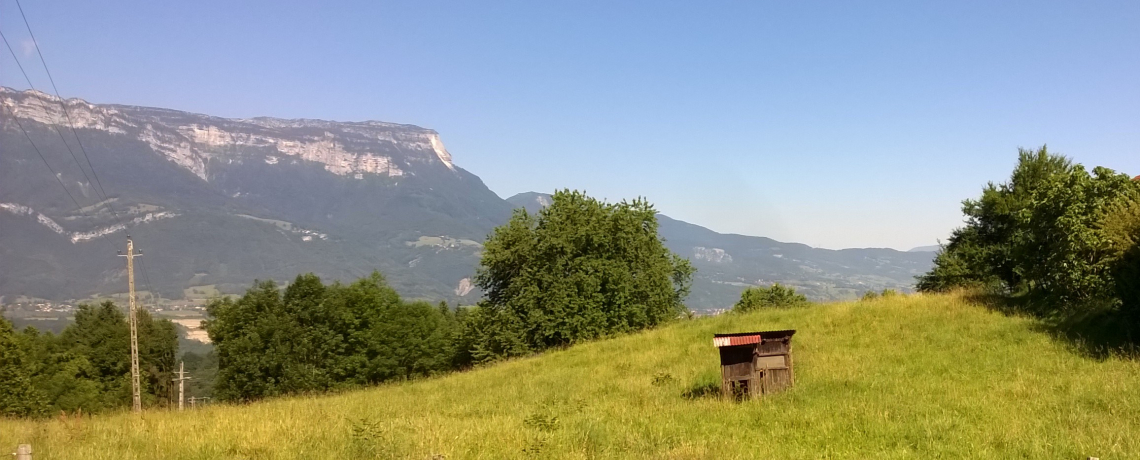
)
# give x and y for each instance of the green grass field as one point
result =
(904, 377)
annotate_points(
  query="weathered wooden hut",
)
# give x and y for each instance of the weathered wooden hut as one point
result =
(755, 363)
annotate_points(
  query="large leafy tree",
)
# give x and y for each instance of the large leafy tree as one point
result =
(1070, 263)
(577, 270)
(1054, 231)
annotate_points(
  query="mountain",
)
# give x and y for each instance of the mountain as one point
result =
(727, 263)
(216, 202)
(933, 248)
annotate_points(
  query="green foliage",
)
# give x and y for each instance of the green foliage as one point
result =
(870, 295)
(578, 270)
(18, 398)
(774, 296)
(315, 337)
(204, 369)
(961, 264)
(1054, 232)
(1127, 274)
(87, 367)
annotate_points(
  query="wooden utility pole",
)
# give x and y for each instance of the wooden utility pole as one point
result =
(130, 255)
(182, 378)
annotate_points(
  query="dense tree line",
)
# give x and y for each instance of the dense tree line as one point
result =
(315, 337)
(578, 270)
(1055, 234)
(87, 367)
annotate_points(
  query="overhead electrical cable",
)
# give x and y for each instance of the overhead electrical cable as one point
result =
(66, 114)
(44, 107)
(71, 124)
(38, 152)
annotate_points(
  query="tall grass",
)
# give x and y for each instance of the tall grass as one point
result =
(901, 377)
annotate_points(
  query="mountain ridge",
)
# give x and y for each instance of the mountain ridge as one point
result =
(219, 202)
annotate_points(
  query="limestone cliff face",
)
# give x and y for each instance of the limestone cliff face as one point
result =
(195, 141)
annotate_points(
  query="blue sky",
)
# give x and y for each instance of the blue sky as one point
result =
(834, 124)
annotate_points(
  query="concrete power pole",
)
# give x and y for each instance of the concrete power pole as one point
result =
(182, 378)
(130, 255)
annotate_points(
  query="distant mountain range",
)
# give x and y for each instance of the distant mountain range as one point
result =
(216, 203)
(932, 248)
(728, 263)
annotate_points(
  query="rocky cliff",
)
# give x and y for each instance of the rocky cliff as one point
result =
(337, 198)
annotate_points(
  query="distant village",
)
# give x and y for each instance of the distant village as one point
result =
(68, 308)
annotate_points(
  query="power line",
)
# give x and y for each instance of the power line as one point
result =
(43, 106)
(146, 281)
(74, 132)
(64, 106)
(37, 149)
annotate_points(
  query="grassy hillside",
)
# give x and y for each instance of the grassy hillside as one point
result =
(906, 377)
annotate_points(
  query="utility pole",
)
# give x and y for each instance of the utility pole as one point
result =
(130, 255)
(182, 378)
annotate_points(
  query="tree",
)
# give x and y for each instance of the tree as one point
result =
(87, 367)
(579, 269)
(1070, 264)
(961, 263)
(18, 398)
(774, 296)
(90, 368)
(1053, 232)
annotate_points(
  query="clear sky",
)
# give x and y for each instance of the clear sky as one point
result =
(836, 124)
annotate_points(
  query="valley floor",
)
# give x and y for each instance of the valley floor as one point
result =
(905, 377)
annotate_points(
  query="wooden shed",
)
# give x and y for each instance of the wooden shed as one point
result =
(755, 363)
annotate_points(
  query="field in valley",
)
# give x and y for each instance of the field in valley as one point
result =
(903, 377)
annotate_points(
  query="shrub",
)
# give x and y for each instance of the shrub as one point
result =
(774, 296)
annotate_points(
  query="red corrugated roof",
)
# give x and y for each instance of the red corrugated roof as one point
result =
(736, 340)
(749, 338)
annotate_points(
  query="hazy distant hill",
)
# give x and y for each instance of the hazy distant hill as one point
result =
(932, 248)
(216, 203)
(727, 263)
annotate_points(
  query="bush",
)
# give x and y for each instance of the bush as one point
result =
(774, 296)
(869, 296)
